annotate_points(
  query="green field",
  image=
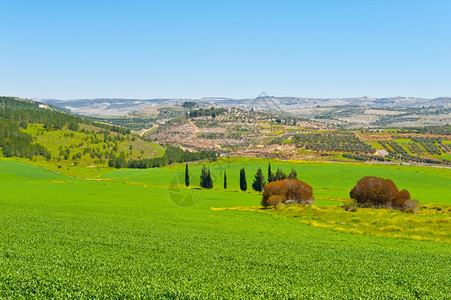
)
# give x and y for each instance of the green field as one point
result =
(329, 180)
(123, 237)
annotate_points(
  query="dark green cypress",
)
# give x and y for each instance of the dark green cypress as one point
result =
(186, 176)
(271, 176)
(259, 181)
(243, 182)
(206, 181)
(225, 180)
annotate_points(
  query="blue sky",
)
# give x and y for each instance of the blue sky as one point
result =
(153, 49)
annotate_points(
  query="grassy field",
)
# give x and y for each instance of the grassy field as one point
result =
(431, 223)
(329, 180)
(123, 237)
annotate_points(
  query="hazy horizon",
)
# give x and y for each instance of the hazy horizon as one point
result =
(228, 98)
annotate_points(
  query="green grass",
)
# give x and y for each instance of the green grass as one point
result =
(375, 145)
(403, 141)
(122, 237)
(431, 223)
(329, 180)
(444, 156)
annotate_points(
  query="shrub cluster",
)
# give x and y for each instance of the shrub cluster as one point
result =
(377, 192)
(287, 191)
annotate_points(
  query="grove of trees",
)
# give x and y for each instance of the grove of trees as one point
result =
(17, 143)
(332, 141)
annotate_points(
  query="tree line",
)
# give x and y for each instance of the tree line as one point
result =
(172, 155)
(203, 112)
(258, 183)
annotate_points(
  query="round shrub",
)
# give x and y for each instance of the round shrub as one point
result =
(378, 192)
(374, 191)
(287, 191)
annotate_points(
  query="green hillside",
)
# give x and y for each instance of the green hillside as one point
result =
(61, 141)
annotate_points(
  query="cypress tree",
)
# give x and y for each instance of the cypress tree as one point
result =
(259, 181)
(271, 176)
(243, 183)
(225, 180)
(206, 181)
(209, 180)
(186, 176)
(203, 177)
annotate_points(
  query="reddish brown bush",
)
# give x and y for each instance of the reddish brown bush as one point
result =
(379, 192)
(400, 199)
(374, 191)
(275, 200)
(286, 191)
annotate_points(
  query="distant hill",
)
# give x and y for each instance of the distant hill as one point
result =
(122, 107)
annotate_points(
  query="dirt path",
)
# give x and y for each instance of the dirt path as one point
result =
(147, 130)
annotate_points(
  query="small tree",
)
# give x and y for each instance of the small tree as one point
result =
(271, 176)
(205, 179)
(280, 175)
(186, 176)
(225, 180)
(293, 174)
(259, 181)
(243, 182)
(209, 180)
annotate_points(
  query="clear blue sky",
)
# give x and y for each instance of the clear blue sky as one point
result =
(150, 49)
